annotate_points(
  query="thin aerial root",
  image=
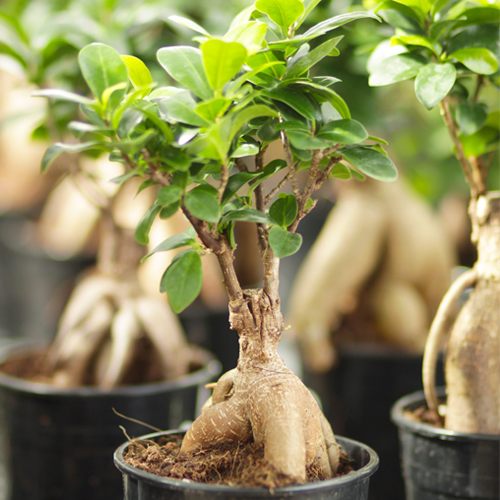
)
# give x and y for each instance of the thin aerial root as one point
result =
(439, 329)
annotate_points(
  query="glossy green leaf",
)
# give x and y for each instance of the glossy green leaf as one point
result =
(102, 68)
(422, 5)
(63, 95)
(188, 237)
(184, 64)
(335, 22)
(168, 194)
(471, 117)
(284, 243)
(478, 143)
(183, 280)
(277, 69)
(203, 204)
(341, 172)
(418, 40)
(343, 131)
(485, 35)
(245, 150)
(296, 100)
(303, 140)
(434, 82)
(180, 107)
(407, 11)
(188, 23)
(283, 12)
(144, 226)
(247, 215)
(250, 34)
(248, 114)
(58, 148)
(371, 163)
(284, 210)
(312, 57)
(212, 108)
(235, 183)
(222, 60)
(139, 74)
(396, 69)
(169, 210)
(477, 59)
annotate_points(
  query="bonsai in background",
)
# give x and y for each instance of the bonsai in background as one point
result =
(451, 49)
(204, 143)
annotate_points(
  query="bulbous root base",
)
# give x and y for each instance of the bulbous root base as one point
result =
(275, 410)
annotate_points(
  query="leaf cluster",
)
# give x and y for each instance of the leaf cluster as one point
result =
(451, 49)
(201, 134)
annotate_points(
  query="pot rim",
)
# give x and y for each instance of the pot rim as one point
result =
(178, 484)
(416, 399)
(211, 369)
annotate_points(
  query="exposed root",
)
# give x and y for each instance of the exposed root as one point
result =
(105, 321)
(439, 330)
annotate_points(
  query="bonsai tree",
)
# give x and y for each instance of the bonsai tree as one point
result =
(451, 50)
(204, 143)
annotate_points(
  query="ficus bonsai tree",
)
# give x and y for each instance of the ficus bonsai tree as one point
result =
(450, 49)
(203, 142)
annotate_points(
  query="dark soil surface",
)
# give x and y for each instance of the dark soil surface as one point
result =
(242, 466)
(424, 415)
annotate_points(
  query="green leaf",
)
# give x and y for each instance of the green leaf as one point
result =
(203, 204)
(284, 210)
(303, 140)
(335, 22)
(168, 195)
(471, 117)
(139, 74)
(144, 226)
(103, 68)
(434, 82)
(312, 57)
(418, 40)
(187, 23)
(284, 243)
(169, 210)
(222, 60)
(343, 131)
(56, 149)
(188, 237)
(183, 280)
(248, 114)
(371, 163)
(180, 107)
(479, 60)
(246, 149)
(63, 95)
(396, 69)
(184, 64)
(422, 5)
(235, 183)
(250, 34)
(477, 144)
(415, 15)
(211, 109)
(485, 35)
(247, 215)
(283, 12)
(296, 100)
(341, 172)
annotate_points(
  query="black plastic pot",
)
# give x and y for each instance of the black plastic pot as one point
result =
(357, 396)
(140, 485)
(439, 464)
(34, 286)
(58, 444)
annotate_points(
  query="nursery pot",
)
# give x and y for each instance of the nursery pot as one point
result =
(57, 444)
(357, 396)
(439, 464)
(140, 485)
